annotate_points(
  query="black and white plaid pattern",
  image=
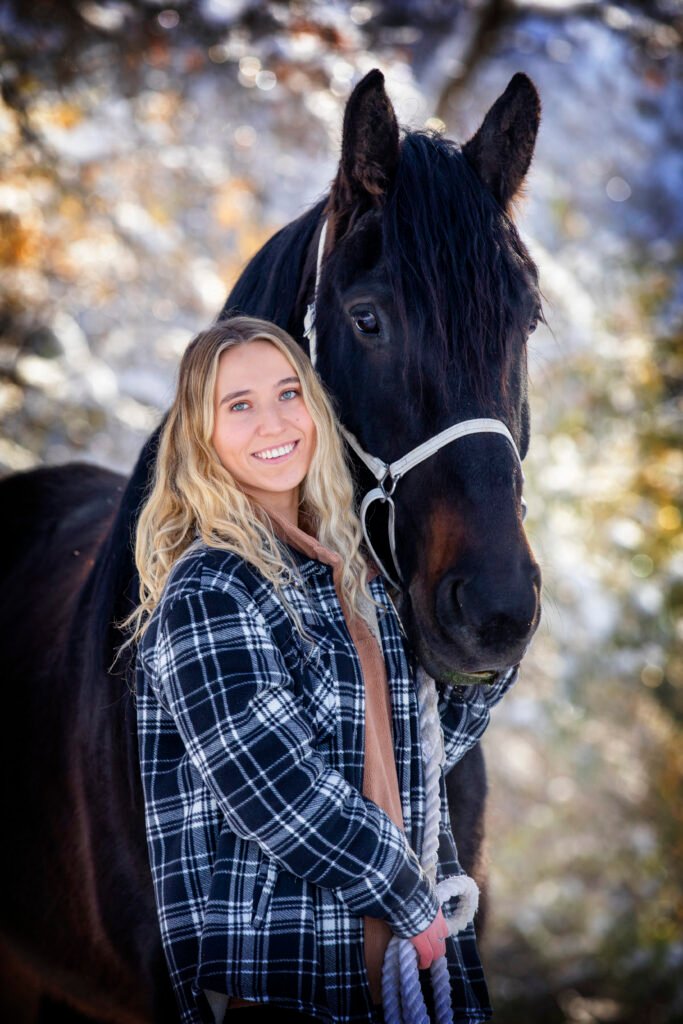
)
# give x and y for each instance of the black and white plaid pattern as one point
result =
(265, 854)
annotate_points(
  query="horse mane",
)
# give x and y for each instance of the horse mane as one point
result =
(446, 247)
(270, 284)
(453, 256)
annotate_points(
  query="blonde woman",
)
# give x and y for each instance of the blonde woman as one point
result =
(277, 715)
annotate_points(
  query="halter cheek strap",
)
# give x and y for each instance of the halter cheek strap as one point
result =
(309, 319)
(388, 474)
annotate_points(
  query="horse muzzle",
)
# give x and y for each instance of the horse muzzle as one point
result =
(475, 624)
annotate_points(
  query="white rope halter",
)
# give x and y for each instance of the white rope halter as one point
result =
(388, 474)
(309, 319)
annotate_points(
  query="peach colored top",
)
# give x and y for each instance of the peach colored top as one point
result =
(380, 781)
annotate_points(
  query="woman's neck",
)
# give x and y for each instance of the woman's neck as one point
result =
(284, 505)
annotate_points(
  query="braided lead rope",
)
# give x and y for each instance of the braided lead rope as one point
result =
(391, 973)
(441, 988)
(433, 758)
(400, 974)
(413, 1007)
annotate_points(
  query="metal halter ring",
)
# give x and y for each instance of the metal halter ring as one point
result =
(393, 480)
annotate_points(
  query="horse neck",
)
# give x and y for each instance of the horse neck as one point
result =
(274, 284)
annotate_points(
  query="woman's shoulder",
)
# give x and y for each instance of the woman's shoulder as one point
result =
(203, 567)
(218, 588)
(199, 568)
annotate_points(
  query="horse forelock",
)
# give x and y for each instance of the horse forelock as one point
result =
(456, 267)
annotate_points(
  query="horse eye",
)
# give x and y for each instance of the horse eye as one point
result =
(365, 320)
(534, 322)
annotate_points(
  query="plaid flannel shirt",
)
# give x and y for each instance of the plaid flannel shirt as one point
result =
(265, 855)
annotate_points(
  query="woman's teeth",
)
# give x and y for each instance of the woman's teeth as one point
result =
(275, 453)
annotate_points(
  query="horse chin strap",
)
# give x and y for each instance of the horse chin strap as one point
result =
(388, 474)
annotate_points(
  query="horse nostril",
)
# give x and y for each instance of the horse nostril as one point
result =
(448, 602)
(498, 613)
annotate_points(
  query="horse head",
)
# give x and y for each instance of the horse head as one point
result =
(425, 298)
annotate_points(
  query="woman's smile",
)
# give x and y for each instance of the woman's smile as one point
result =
(276, 454)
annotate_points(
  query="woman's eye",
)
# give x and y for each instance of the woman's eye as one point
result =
(238, 406)
(365, 321)
(289, 394)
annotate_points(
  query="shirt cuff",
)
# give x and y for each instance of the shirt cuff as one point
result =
(413, 914)
(396, 890)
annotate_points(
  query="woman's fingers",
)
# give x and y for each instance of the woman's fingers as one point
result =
(424, 950)
(428, 952)
(430, 944)
(438, 945)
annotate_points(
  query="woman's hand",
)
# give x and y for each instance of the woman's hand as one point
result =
(430, 943)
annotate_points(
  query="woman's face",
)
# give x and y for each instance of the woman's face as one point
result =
(263, 433)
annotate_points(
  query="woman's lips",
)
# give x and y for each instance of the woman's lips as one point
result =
(272, 460)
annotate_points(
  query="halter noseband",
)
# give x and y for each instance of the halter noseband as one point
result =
(388, 474)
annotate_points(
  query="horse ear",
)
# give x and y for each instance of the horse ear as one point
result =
(501, 150)
(370, 152)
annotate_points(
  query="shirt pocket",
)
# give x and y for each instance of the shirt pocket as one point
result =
(317, 667)
(263, 890)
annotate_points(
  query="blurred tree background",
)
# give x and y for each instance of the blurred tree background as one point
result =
(148, 149)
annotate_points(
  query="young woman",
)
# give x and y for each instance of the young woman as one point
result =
(278, 722)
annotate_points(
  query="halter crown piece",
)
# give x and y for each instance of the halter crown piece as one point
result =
(388, 474)
(402, 997)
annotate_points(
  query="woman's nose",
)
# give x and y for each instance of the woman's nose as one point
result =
(271, 421)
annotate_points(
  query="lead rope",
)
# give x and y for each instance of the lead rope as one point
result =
(402, 998)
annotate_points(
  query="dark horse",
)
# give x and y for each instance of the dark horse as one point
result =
(426, 299)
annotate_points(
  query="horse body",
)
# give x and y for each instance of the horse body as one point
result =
(79, 921)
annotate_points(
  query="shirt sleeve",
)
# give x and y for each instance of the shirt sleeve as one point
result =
(465, 712)
(223, 679)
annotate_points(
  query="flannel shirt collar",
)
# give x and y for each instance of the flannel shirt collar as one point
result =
(306, 543)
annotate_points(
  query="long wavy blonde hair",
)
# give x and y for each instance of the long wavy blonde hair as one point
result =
(192, 495)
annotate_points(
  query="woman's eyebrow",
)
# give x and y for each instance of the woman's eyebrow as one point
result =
(247, 391)
(234, 394)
